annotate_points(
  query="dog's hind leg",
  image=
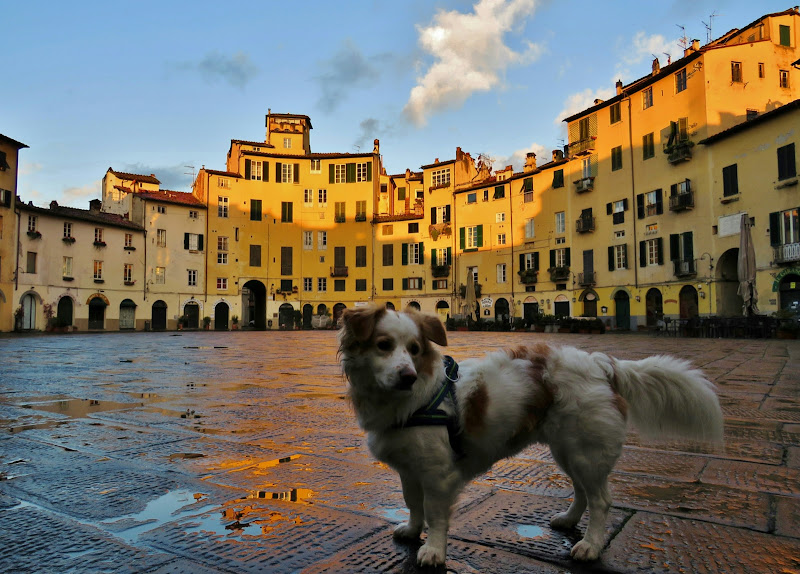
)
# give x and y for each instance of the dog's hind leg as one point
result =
(599, 501)
(413, 495)
(572, 516)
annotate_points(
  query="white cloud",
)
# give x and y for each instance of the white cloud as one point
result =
(582, 100)
(29, 168)
(469, 54)
(79, 196)
(518, 157)
(643, 48)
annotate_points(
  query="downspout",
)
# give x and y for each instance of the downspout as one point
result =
(633, 198)
(19, 243)
(208, 239)
(511, 264)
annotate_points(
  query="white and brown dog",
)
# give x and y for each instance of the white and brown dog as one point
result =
(439, 424)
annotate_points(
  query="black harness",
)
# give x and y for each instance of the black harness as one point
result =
(432, 415)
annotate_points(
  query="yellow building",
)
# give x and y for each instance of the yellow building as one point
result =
(9, 169)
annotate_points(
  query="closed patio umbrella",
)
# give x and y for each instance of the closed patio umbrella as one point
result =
(469, 298)
(746, 268)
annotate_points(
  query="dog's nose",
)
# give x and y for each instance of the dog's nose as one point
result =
(407, 378)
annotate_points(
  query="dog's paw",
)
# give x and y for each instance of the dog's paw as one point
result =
(563, 521)
(430, 556)
(585, 551)
(406, 532)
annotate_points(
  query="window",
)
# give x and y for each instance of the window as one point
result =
(527, 189)
(363, 172)
(192, 241)
(308, 197)
(500, 192)
(98, 270)
(288, 173)
(127, 273)
(412, 283)
(440, 178)
(287, 286)
(473, 272)
(308, 240)
(650, 252)
(323, 198)
(616, 158)
(783, 76)
(651, 228)
(162, 209)
(472, 198)
(785, 34)
(68, 232)
(194, 214)
(286, 260)
(255, 256)
(361, 255)
(648, 146)
(32, 223)
(388, 284)
(440, 284)
(761, 70)
(680, 81)
(340, 216)
(473, 238)
(560, 257)
(222, 250)
(647, 98)
(617, 210)
(192, 277)
(388, 255)
(501, 239)
(222, 283)
(255, 210)
(287, 143)
(322, 284)
(529, 229)
(529, 261)
(413, 227)
(561, 240)
(649, 203)
(681, 248)
(558, 178)
(223, 182)
(786, 162)
(361, 284)
(361, 210)
(401, 194)
(129, 240)
(387, 230)
(501, 272)
(412, 254)
(784, 227)
(308, 284)
(561, 222)
(441, 256)
(66, 268)
(499, 217)
(316, 167)
(5, 194)
(617, 257)
(98, 235)
(322, 240)
(619, 234)
(287, 207)
(161, 275)
(584, 129)
(161, 237)
(616, 112)
(730, 180)
(440, 214)
(340, 173)
(222, 206)
(736, 71)
(30, 266)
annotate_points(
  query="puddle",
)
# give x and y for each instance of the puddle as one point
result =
(32, 426)
(293, 495)
(394, 514)
(166, 508)
(530, 531)
(79, 408)
(248, 521)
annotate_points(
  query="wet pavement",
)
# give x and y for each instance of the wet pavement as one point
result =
(237, 452)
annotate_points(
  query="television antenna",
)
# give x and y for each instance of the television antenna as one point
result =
(191, 167)
(683, 41)
(709, 25)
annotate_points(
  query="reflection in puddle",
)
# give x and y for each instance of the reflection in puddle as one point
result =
(293, 495)
(530, 531)
(78, 408)
(157, 512)
(247, 520)
(394, 514)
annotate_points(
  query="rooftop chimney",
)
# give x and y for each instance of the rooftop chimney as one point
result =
(530, 161)
(95, 205)
(558, 155)
(376, 146)
(53, 204)
(619, 87)
(598, 101)
(656, 66)
(695, 47)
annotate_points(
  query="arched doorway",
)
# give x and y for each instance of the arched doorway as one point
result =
(159, 316)
(127, 314)
(589, 299)
(530, 310)
(729, 302)
(687, 300)
(622, 310)
(254, 303)
(390, 305)
(322, 309)
(97, 313)
(192, 313)
(654, 307)
(221, 312)
(442, 310)
(789, 293)
(65, 312)
(338, 309)
(414, 305)
(308, 312)
(286, 316)
(501, 311)
(561, 306)
(29, 312)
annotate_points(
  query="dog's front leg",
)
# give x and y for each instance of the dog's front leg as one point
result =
(413, 495)
(439, 500)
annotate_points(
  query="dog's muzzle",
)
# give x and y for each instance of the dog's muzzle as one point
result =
(407, 379)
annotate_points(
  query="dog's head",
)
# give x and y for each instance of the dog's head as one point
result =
(387, 350)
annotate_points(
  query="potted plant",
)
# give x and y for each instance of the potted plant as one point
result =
(597, 327)
(47, 311)
(235, 322)
(19, 313)
(206, 322)
(528, 276)
(35, 234)
(182, 322)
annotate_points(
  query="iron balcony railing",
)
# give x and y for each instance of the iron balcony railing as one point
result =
(681, 151)
(787, 253)
(587, 279)
(340, 271)
(559, 274)
(681, 201)
(584, 184)
(584, 224)
(582, 146)
(685, 267)
(417, 211)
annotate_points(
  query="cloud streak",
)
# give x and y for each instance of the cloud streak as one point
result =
(469, 55)
(236, 70)
(346, 70)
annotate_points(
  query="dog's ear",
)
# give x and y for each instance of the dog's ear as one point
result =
(361, 321)
(432, 328)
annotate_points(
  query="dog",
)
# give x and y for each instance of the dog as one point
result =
(439, 424)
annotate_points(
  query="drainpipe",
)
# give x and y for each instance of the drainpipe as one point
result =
(19, 243)
(633, 196)
(511, 228)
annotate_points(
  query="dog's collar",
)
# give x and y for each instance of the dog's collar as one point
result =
(432, 415)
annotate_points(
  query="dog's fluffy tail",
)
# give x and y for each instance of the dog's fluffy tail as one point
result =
(668, 398)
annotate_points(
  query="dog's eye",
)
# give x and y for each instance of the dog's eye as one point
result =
(413, 348)
(384, 344)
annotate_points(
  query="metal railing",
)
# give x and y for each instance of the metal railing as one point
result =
(339, 271)
(587, 279)
(584, 224)
(681, 201)
(582, 146)
(685, 267)
(787, 253)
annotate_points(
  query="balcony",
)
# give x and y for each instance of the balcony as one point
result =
(685, 267)
(440, 271)
(585, 184)
(787, 253)
(587, 279)
(618, 217)
(582, 147)
(361, 216)
(558, 274)
(339, 219)
(528, 276)
(681, 201)
(584, 224)
(679, 152)
(415, 212)
(340, 271)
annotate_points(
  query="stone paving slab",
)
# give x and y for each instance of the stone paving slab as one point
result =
(660, 543)
(753, 477)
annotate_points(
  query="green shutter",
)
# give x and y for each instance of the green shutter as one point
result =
(297, 173)
(369, 171)
(775, 229)
(278, 168)
(405, 283)
(186, 241)
(350, 173)
(433, 216)
(536, 260)
(660, 246)
(404, 253)
(567, 261)
(421, 253)
(461, 238)
(674, 246)
(688, 246)
(552, 258)
(611, 259)
(449, 260)
(479, 236)
(433, 258)
(331, 173)
(247, 169)
(265, 171)
(642, 254)
(200, 242)
(786, 35)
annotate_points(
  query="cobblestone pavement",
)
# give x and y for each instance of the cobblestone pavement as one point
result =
(237, 452)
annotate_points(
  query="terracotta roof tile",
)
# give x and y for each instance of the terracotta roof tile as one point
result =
(135, 177)
(169, 196)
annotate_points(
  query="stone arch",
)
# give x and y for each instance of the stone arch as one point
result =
(589, 298)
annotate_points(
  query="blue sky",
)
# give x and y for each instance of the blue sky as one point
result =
(154, 87)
